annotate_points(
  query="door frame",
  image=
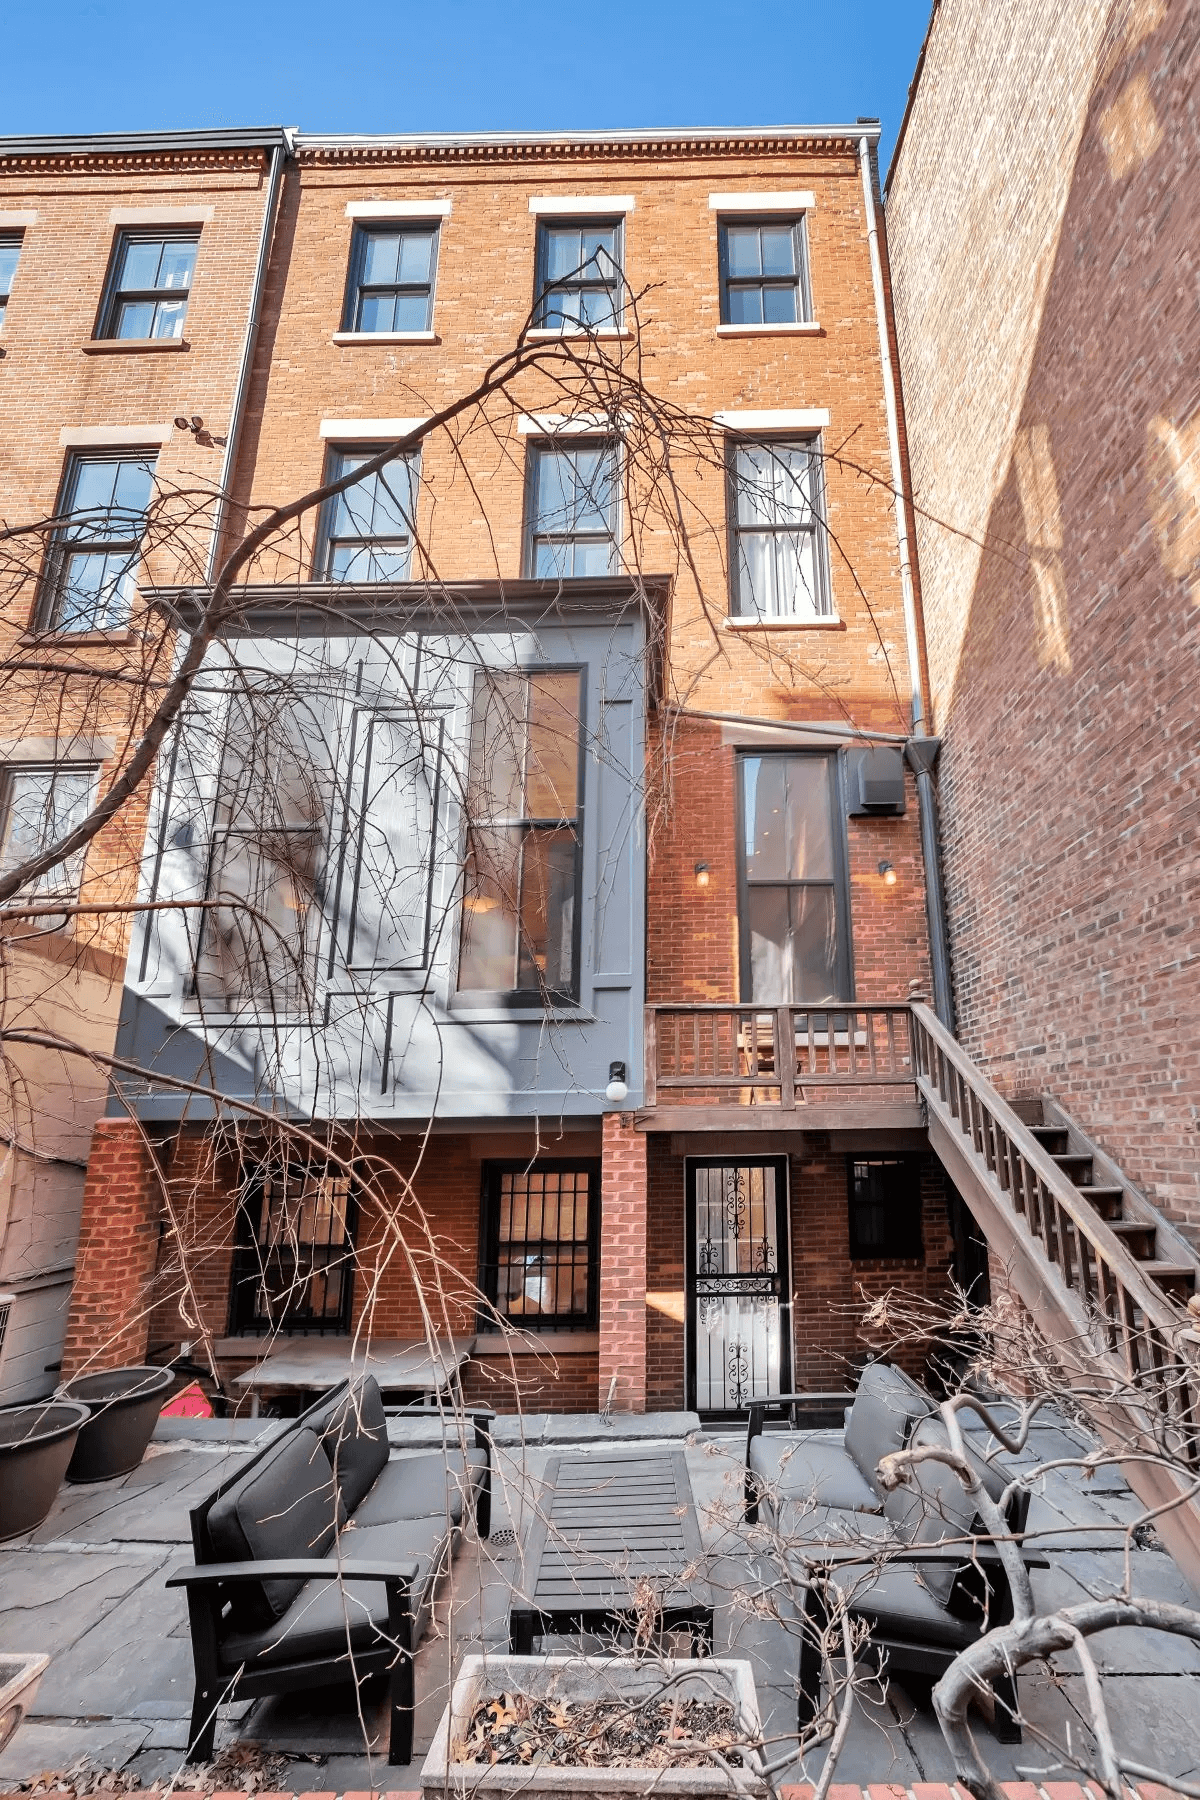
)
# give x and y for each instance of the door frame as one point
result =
(783, 1202)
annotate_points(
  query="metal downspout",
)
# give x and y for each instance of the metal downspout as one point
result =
(921, 750)
(237, 412)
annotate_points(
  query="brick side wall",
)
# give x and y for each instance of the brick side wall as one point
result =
(109, 1319)
(1066, 653)
(623, 1266)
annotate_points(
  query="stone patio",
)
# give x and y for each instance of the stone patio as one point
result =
(89, 1587)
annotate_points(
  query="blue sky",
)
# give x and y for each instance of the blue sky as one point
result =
(454, 65)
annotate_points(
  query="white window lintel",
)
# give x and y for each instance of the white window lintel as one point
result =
(581, 206)
(796, 200)
(113, 437)
(368, 430)
(399, 209)
(797, 418)
(160, 215)
(17, 221)
(568, 425)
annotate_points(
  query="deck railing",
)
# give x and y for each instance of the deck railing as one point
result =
(768, 1055)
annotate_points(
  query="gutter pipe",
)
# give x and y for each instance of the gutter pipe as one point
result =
(280, 151)
(921, 750)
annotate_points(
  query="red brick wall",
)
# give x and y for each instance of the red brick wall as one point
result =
(623, 1267)
(109, 1318)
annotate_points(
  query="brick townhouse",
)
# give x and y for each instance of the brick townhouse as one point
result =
(579, 841)
(128, 275)
(1059, 533)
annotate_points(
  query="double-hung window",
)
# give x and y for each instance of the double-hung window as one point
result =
(149, 285)
(10, 255)
(266, 872)
(520, 926)
(764, 272)
(794, 912)
(392, 269)
(294, 1257)
(885, 1207)
(40, 806)
(540, 1258)
(367, 530)
(579, 278)
(95, 552)
(778, 555)
(573, 509)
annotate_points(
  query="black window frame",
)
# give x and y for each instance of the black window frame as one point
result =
(115, 296)
(810, 442)
(364, 231)
(10, 240)
(323, 549)
(559, 444)
(489, 1316)
(839, 881)
(64, 543)
(534, 997)
(543, 288)
(800, 283)
(247, 1266)
(905, 1238)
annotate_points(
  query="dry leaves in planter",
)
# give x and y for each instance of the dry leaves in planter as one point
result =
(529, 1732)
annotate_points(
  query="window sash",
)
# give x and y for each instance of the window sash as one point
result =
(754, 289)
(540, 1245)
(10, 256)
(574, 531)
(41, 804)
(94, 558)
(587, 297)
(367, 532)
(376, 306)
(885, 1207)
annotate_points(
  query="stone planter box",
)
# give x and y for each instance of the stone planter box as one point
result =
(588, 1678)
(19, 1679)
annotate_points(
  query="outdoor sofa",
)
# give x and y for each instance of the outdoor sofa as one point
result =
(317, 1562)
(916, 1562)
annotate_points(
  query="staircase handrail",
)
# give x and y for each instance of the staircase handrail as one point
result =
(1108, 1248)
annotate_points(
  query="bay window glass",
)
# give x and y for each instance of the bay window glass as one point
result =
(41, 806)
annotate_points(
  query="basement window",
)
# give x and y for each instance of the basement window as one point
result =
(885, 1208)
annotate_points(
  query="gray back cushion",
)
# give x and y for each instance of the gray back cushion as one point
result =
(931, 1505)
(286, 1506)
(885, 1406)
(356, 1441)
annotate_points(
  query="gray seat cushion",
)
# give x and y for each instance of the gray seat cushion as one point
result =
(334, 1618)
(354, 1434)
(796, 1465)
(286, 1505)
(801, 1523)
(901, 1603)
(419, 1487)
(887, 1403)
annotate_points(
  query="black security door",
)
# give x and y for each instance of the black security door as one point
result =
(739, 1282)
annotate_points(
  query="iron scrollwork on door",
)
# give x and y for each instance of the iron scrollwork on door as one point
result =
(737, 1284)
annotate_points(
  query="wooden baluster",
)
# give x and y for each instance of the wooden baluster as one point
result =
(650, 1052)
(785, 1057)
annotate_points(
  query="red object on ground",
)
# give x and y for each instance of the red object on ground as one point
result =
(188, 1403)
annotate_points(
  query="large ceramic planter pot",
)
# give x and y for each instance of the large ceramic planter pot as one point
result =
(19, 1679)
(36, 1444)
(124, 1406)
(576, 1678)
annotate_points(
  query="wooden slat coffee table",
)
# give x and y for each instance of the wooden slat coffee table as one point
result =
(604, 1523)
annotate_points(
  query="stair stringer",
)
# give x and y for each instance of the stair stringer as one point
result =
(1056, 1308)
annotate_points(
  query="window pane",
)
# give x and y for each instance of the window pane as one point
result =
(745, 306)
(814, 945)
(135, 319)
(178, 261)
(778, 249)
(594, 481)
(764, 807)
(381, 258)
(9, 255)
(594, 308)
(564, 252)
(809, 818)
(767, 922)
(554, 491)
(410, 313)
(795, 592)
(260, 951)
(552, 758)
(416, 249)
(132, 483)
(495, 788)
(95, 591)
(779, 304)
(593, 559)
(394, 826)
(168, 318)
(43, 805)
(140, 266)
(598, 251)
(377, 312)
(547, 938)
(488, 956)
(742, 250)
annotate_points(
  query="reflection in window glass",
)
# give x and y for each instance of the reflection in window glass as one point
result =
(41, 806)
(95, 554)
(574, 510)
(151, 285)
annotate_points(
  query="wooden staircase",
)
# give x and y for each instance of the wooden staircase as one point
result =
(1104, 1275)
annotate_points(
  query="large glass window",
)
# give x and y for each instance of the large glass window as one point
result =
(257, 947)
(885, 1207)
(764, 272)
(95, 552)
(540, 1261)
(367, 531)
(794, 927)
(295, 1251)
(579, 275)
(150, 283)
(574, 510)
(520, 901)
(392, 271)
(778, 552)
(40, 806)
(10, 254)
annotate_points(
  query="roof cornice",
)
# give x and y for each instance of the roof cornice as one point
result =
(541, 146)
(146, 149)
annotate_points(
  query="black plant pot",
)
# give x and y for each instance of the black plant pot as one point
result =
(124, 1404)
(36, 1444)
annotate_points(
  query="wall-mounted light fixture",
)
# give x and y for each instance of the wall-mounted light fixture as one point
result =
(617, 1089)
(701, 874)
(890, 877)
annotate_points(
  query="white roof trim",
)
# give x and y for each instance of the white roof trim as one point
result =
(17, 221)
(799, 418)
(114, 437)
(798, 201)
(582, 205)
(160, 215)
(566, 424)
(365, 430)
(399, 209)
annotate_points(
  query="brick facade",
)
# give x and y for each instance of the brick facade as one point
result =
(111, 1302)
(623, 1267)
(1058, 537)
